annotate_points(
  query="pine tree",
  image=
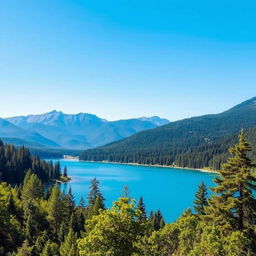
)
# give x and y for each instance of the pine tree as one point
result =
(29, 228)
(233, 206)
(73, 223)
(25, 250)
(142, 208)
(62, 232)
(50, 249)
(69, 246)
(57, 171)
(71, 201)
(32, 187)
(55, 209)
(11, 208)
(94, 192)
(98, 204)
(95, 199)
(81, 203)
(157, 220)
(201, 200)
(65, 172)
(40, 243)
(125, 192)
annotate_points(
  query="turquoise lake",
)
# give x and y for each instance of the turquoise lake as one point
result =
(168, 189)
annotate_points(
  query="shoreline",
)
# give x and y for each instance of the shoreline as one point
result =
(156, 165)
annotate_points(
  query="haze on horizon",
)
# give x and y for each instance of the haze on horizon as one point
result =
(124, 59)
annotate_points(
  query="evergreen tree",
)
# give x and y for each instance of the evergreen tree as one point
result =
(71, 201)
(29, 228)
(65, 172)
(40, 244)
(125, 192)
(57, 171)
(157, 220)
(11, 208)
(95, 199)
(201, 200)
(142, 208)
(32, 187)
(50, 249)
(233, 206)
(69, 246)
(25, 250)
(81, 203)
(55, 209)
(94, 192)
(62, 232)
(73, 223)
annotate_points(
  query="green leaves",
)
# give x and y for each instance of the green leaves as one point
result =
(113, 232)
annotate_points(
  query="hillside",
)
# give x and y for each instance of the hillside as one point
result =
(15, 163)
(75, 131)
(177, 141)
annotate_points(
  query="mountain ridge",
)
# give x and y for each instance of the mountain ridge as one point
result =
(77, 131)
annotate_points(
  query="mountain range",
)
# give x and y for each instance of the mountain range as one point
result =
(189, 143)
(71, 131)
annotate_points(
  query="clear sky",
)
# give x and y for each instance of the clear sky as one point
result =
(126, 58)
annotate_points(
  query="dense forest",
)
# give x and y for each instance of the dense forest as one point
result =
(210, 154)
(15, 162)
(195, 142)
(39, 222)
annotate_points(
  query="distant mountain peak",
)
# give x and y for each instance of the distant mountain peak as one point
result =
(53, 112)
(155, 120)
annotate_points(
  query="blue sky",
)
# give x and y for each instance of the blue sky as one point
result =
(122, 59)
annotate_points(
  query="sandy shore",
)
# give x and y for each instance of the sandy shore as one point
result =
(156, 165)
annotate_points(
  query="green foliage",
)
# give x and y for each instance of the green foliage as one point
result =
(94, 193)
(50, 249)
(25, 249)
(234, 206)
(141, 206)
(114, 232)
(15, 162)
(69, 246)
(157, 220)
(95, 199)
(215, 241)
(58, 210)
(32, 187)
(163, 242)
(201, 200)
(40, 243)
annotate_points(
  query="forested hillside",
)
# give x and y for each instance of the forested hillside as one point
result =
(15, 163)
(214, 153)
(195, 142)
(39, 222)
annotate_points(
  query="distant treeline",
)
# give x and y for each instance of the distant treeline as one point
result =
(192, 153)
(15, 163)
(50, 153)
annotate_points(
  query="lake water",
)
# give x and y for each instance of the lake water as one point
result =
(168, 189)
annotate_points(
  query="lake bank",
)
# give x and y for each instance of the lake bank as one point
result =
(156, 165)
